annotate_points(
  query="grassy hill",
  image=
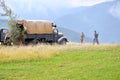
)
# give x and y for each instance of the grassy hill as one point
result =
(69, 62)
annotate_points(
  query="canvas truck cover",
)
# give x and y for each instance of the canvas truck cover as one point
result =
(37, 26)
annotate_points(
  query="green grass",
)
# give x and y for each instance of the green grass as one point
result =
(74, 62)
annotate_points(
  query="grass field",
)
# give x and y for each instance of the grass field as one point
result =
(68, 62)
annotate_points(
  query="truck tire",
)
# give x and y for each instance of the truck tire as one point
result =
(35, 41)
(63, 42)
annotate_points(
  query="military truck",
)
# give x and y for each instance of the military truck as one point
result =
(37, 31)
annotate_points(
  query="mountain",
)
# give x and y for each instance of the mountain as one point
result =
(97, 17)
(72, 35)
(3, 23)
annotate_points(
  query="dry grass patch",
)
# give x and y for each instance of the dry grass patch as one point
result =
(15, 53)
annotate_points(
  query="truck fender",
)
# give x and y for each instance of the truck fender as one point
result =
(62, 39)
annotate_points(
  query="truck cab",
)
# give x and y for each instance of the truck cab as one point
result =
(60, 38)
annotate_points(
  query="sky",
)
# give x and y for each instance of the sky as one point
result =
(47, 6)
(53, 4)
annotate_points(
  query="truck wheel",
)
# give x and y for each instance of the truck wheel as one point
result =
(63, 42)
(35, 41)
(31, 42)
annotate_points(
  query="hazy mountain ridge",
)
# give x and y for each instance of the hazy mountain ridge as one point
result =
(72, 35)
(3, 23)
(92, 18)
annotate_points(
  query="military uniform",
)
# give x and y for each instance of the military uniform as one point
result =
(82, 37)
(95, 40)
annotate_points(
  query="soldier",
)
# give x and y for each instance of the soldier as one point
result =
(95, 40)
(82, 37)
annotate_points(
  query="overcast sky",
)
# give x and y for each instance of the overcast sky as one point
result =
(23, 7)
(52, 4)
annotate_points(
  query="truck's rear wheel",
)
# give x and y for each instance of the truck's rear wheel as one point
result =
(31, 42)
(35, 41)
